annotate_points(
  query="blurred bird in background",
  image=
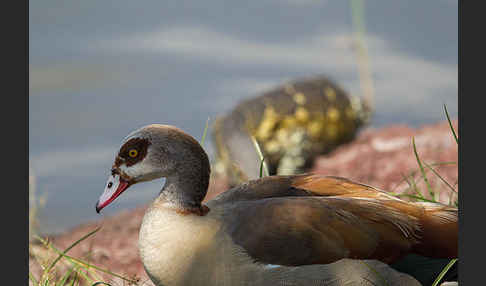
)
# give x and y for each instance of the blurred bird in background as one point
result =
(292, 124)
(289, 126)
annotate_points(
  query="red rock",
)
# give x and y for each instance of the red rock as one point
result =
(383, 157)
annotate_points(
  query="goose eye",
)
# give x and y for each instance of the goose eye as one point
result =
(133, 153)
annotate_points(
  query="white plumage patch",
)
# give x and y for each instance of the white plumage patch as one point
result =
(136, 170)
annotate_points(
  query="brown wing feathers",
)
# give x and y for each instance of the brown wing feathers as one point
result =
(309, 219)
(437, 224)
(439, 232)
(336, 186)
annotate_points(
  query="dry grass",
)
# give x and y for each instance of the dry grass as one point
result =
(57, 268)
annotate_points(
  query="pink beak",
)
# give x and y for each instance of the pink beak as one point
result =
(114, 187)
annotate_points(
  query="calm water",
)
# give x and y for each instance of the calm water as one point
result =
(101, 69)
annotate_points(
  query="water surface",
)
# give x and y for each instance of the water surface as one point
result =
(99, 69)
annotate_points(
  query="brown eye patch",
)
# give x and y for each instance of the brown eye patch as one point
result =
(132, 152)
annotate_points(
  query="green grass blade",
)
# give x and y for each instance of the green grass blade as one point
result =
(440, 177)
(50, 246)
(84, 264)
(75, 278)
(101, 283)
(66, 276)
(444, 271)
(80, 273)
(450, 124)
(205, 132)
(422, 170)
(413, 185)
(443, 163)
(32, 278)
(361, 51)
(73, 245)
(263, 165)
(87, 265)
(413, 197)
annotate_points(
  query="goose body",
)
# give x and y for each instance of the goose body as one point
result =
(279, 230)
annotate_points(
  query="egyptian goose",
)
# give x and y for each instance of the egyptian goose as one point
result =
(292, 123)
(277, 230)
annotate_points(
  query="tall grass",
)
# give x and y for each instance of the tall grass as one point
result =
(422, 172)
(434, 195)
(361, 51)
(263, 164)
(205, 132)
(57, 267)
(79, 271)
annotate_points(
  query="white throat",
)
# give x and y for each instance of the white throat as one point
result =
(170, 242)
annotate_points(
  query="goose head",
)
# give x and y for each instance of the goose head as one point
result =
(160, 151)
